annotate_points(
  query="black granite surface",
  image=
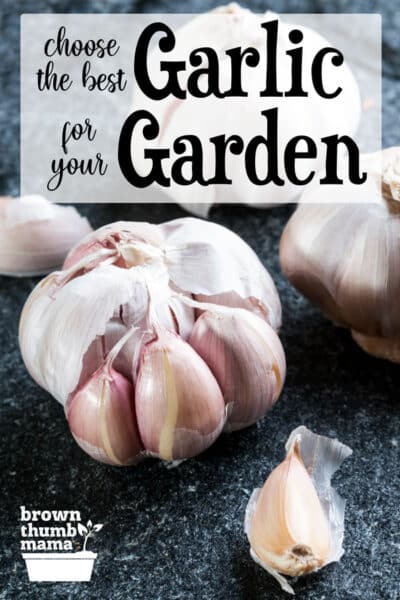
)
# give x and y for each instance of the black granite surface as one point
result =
(178, 533)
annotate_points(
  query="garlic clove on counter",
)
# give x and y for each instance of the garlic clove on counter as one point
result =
(179, 406)
(294, 523)
(36, 235)
(102, 419)
(247, 359)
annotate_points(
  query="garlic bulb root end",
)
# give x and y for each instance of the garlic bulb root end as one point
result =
(380, 347)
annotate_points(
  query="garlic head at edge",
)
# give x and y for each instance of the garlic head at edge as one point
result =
(36, 234)
(344, 256)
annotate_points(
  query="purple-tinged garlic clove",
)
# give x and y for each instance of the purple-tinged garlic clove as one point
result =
(101, 417)
(179, 406)
(246, 357)
(233, 300)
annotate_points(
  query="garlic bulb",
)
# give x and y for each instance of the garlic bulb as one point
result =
(294, 523)
(36, 234)
(247, 359)
(107, 337)
(179, 406)
(344, 257)
(227, 27)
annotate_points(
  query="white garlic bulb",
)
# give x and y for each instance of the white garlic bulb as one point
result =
(227, 27)
(108, 337)
(295, 522)
(36, 235)
(344, 256)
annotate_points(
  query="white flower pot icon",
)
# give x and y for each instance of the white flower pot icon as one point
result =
(59, 566)
(63, 566)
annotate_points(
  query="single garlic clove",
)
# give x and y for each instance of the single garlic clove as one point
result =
(36, 235)
(102, 419)
(289, 530)
(247, 359)
(295, 522)
(179, 406)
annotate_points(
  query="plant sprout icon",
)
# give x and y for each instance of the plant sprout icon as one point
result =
(88, 531)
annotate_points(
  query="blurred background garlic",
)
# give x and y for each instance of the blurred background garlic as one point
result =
(36, 235)
(344, 256)
(295, 522)
(228, 27)
(141, 364)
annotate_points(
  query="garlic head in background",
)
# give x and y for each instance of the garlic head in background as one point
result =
(36, 235)
(232, 26)
(344, 256)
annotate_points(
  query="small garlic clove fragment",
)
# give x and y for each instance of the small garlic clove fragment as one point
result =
(36, 235)
(294, 523)
(179, 406)
(102, 419)
(247, 359)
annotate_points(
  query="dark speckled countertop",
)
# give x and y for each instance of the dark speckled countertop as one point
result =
(177, 533)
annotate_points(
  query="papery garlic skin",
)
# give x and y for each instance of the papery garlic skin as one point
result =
(36, 235)
(246, 357)
(294, 523)
(228, 27)
(102, 419)
(120, 236)
(179, 406)
(203, 256)
(344, 257)
(233, 300)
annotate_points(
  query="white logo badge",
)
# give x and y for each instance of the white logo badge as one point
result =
(49, 548)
